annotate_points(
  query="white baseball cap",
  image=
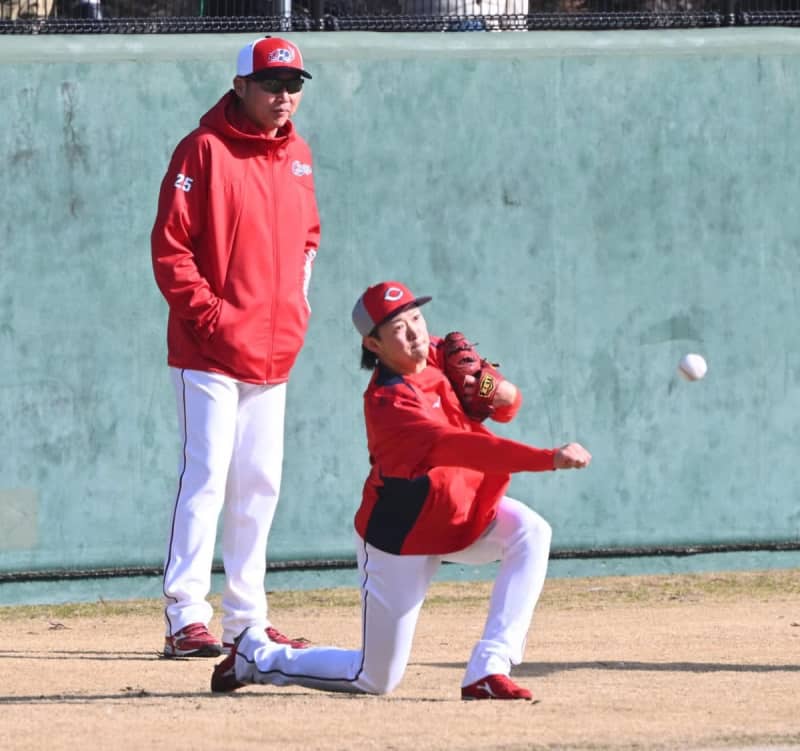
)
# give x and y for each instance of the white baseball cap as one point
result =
(261, 58)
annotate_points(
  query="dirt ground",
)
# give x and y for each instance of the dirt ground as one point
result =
(689, 662)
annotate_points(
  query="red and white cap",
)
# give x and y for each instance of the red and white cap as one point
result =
(261, 58)
(380, 303)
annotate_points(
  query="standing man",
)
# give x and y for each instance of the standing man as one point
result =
(233, 245)
(435, 492)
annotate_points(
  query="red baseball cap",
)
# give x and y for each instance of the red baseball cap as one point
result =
(261, 58)
(380, 303)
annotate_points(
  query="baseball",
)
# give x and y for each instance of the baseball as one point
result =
(692, 367)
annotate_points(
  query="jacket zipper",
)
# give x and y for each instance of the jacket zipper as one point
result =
(273, 159)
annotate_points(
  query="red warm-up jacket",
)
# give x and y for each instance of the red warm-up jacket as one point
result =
(436, 476)
(236, 230)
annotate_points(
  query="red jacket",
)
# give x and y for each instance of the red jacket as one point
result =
(237, 215)
(436, 475)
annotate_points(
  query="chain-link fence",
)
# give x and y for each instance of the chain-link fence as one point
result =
(185, 16)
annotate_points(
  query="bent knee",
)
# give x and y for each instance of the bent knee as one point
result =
(544, 531)
(380, 685)
(538, 530)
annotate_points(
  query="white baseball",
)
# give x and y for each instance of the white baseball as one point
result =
(692, 367)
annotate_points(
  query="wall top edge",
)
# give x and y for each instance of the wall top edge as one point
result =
(323, 47)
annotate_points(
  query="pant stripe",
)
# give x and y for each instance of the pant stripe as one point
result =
(345, 679)
(177, 501)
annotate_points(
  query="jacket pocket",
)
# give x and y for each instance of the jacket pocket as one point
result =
(223, 344)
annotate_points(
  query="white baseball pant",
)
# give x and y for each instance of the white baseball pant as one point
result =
(232, 435)
(392, 592)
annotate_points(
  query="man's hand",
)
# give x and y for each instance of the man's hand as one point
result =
(572, 456)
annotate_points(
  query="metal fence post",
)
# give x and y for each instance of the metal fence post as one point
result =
(285, 12)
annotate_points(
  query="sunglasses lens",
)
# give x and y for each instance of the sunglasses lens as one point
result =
(276, 85)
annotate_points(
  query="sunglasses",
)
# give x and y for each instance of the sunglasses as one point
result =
(278, 85)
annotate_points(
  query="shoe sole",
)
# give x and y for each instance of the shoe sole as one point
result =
(497, 698)
(209, 651)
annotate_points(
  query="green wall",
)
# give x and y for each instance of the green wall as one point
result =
(588, 206)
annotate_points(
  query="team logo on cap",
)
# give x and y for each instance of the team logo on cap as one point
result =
(281, 55)
(393, 294)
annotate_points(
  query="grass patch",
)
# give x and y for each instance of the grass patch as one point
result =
(661, 589)
(558, 593)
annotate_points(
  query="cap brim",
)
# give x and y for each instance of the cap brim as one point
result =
(416, 303)
(260, 75)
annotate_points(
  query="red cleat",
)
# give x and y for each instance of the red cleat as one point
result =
(193, 640)
(495, 687)
(278, 638)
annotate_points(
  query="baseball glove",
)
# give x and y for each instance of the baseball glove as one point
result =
(462, 360)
